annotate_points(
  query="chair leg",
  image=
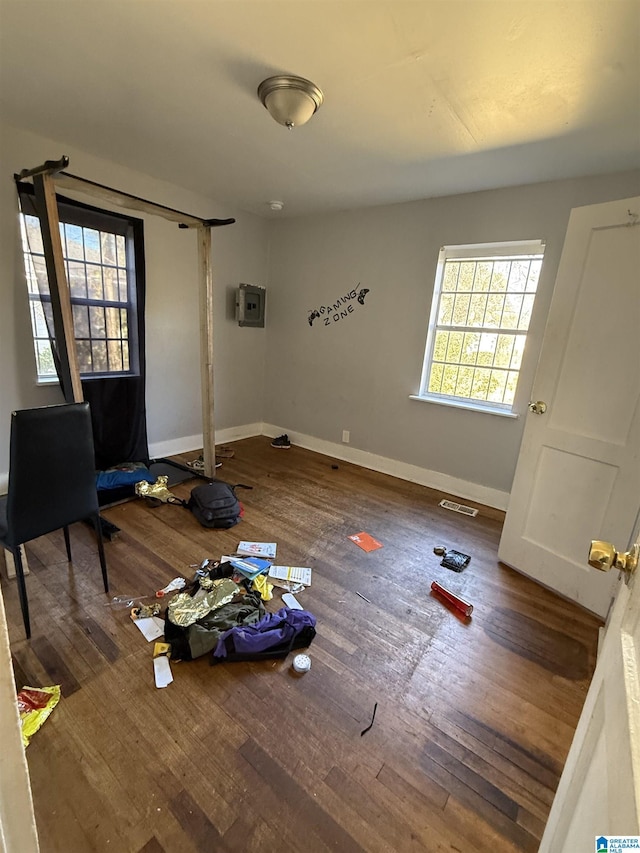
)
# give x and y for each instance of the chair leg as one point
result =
(103, 561)
(67, 542)
(22, 590)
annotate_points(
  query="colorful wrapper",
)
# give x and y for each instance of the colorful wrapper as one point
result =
(35, 704)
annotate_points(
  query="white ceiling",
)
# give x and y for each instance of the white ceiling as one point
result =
(422, 98)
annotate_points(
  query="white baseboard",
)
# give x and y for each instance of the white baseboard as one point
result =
(190, 443)
(173, 446)
(404, 471)
(236, 433)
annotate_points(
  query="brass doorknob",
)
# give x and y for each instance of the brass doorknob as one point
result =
(538, 408)
(603, 556)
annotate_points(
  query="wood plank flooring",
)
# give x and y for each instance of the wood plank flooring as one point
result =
(474, 719)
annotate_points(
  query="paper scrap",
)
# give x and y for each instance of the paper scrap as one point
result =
(291, 601)
(365, 541)
(257, 549)
(297, 574)
(151, 627)
(162, 671)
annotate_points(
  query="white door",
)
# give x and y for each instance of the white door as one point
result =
(599, 791)
(578, 473)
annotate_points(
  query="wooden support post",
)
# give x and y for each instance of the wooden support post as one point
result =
(43, 180)
(206, 349)
(58, 287)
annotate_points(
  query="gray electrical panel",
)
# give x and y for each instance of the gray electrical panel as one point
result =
(250, 305)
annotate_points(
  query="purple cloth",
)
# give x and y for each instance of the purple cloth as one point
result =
(272, 630)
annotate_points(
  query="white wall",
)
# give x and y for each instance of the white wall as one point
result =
(358, 373)
(239, 254)
(355, 374)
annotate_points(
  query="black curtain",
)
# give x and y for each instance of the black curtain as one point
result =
(118, 403)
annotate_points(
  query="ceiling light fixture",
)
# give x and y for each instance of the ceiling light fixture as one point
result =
(291, 101)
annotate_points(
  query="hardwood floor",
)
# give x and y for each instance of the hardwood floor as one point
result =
(474, 718)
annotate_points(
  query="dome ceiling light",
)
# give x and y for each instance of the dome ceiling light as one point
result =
(291, 101)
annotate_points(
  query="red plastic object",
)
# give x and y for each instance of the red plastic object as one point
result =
(458, 603)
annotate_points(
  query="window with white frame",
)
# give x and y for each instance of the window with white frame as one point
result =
(98, 250)
(482, 305)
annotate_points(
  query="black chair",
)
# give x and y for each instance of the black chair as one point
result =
(52, 482)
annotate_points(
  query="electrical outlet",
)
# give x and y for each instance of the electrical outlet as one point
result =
(345, 436)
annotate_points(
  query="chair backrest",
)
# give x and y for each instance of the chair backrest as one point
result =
(52, 478)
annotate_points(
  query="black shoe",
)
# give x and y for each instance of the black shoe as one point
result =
(281, 442)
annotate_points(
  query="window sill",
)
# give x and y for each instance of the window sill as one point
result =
(470, 406)
(53, 380)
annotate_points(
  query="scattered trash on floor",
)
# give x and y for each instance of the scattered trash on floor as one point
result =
(301, 664)
(144, 611)
(125, 602)
(162, 671)
(439, 550)
(250, 567)
(365, 541)
(289, 586)
(291, 574)
(187, 607)
(176, 583)
(156, 493)
(267, 550)
(364, 731)
(363, 597)
(221, 610)
(150, 627)
(160, 649)
(233, 603)
(455, 560)
(459, 603)
(262, 585)
(34, 705)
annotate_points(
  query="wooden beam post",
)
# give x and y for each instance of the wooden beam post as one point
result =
(58, 287)
(206, 349)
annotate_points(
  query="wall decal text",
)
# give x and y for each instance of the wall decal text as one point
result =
(341, 308)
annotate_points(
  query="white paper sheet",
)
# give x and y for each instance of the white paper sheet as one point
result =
(151, 627)
(162, 671)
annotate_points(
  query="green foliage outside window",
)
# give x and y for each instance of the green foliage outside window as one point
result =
(482, 317)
